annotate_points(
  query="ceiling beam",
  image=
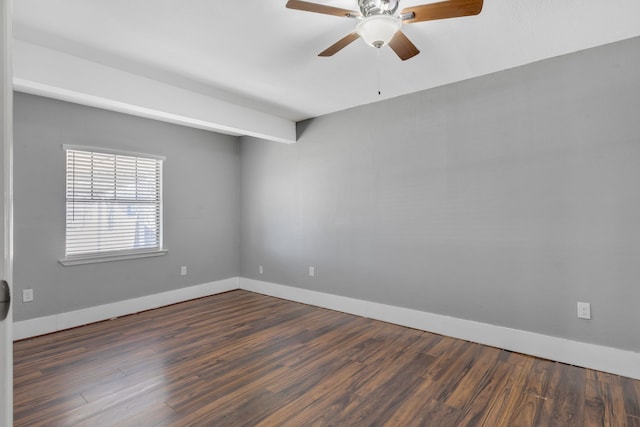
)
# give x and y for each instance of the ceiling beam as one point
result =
(54, 74)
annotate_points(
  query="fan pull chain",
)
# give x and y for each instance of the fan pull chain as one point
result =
(378, 70)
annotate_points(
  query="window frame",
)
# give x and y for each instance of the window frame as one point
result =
(115, 255)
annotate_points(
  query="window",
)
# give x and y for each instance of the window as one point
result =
(113, 205)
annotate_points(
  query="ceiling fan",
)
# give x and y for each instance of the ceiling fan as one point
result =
(379, 21)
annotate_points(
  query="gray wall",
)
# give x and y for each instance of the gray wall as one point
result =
(201, 201)
(503, 199)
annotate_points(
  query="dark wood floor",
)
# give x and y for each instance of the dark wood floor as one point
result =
(240, 359)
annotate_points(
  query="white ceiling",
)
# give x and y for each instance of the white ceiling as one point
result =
(258, 54)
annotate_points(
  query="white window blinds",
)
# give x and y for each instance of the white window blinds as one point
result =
(114, 203)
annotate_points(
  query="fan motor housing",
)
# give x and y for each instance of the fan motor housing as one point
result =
(378, 7)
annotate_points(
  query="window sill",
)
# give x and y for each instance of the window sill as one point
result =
(92, 259)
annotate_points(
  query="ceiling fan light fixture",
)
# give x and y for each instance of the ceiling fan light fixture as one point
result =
(378, 30)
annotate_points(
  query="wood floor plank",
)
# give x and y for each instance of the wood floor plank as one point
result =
(529, 391)
(614, 403)
(631, 393)
(567, 397)
(390, 392)
(475, 379)
(405, 413)
(633, 421)
(322, 400)
(457, 366)
(40, 410)
(436, 413)
(240, 358)
(485, 396)
(594, 410)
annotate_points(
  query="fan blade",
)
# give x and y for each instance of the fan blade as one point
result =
(403, 47)
(320, 8)
(442, 10)
(340, 44)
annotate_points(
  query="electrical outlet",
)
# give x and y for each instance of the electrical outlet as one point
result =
(261, 269)
(27, 295)
(312, 271)
(183, 270)
(584, 310)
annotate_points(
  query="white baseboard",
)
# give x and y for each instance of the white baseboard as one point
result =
(57, 322)
(592, 356)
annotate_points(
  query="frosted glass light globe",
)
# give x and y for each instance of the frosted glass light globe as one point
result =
(378, 30)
